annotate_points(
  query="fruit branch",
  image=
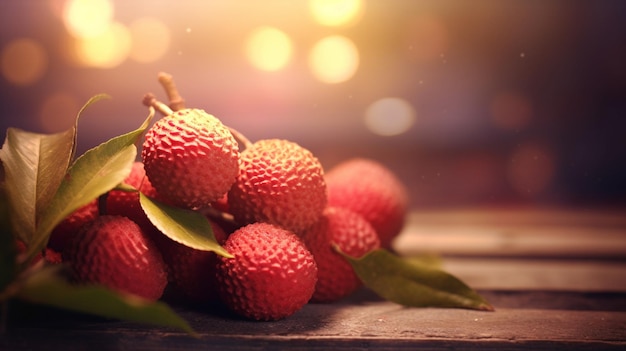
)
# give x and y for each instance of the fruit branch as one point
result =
(149, 100)
(241, 139)
(176, 101)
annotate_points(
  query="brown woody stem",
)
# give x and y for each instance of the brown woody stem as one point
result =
(150, 100)
(176, 102)
(241, 139)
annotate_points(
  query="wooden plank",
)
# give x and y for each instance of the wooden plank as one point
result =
(520, 233)
(346, 326)
(544, 275)
(557, 279)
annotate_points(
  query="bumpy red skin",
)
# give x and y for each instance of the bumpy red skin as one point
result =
(370, 189)
(113, 251)
(279, 182)
(191, 158)
(192, 272)
(354, 236)
(271, 276)
(127, 203)
(65, 231)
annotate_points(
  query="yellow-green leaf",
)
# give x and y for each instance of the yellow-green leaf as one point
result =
(46, 288)
(34, 167)
(417, 285)
(187, 227)
(94, 173)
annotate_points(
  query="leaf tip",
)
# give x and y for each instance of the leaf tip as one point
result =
(486, 307)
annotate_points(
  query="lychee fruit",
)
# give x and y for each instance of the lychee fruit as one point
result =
(191, 158)
(65, 231)
(279, 182)
(49, 255)
(192, 272)
(271, 276)
(127, 204)
(113, 251)
(372, 190)
(354, 236)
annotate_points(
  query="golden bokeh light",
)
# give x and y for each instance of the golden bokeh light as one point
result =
(334, 59)
(268, 48)
(87, 18)
(389, 116)
(336, 12)
(511, 111)
(107, 50)
(24, 61)
(150, 39)
(531, 169)
(58, 112)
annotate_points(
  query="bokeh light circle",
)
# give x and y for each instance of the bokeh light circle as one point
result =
(389, 116)
(268, 48)
(23, 61)
(334, 59)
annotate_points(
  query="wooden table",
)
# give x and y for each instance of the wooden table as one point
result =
(557, 279)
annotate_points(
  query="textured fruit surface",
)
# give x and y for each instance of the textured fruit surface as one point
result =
(192, 272)
(279, 182)
(127, 203)
(113, 251)
(354, 236)
(65, 231)
(271, 276)
(370, 189)
(191, 158)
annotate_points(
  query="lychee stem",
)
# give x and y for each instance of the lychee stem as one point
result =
(217, 214)
(176, 101)
(150, 100)
(241, 139)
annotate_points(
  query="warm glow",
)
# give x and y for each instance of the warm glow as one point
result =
(389, 116)
(87, 18)
(268, 49)
(334, 59)
(107, 50)
(58, 112)
(427, 38)
(531, 169)
(336, 12)
(24, 61)
(511, 111)
(150, 38)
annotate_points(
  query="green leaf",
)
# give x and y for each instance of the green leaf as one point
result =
(94, 173)
(187, 227)
(89, 102)
(34, 167)
(46, 288)
(416, 285)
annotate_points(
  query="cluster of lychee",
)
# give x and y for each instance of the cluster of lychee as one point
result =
(282, 218)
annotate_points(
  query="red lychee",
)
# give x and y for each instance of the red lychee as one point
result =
(372, 190)
(271, 276)
(114, 251)
(191, 158)
(49, 255)
(279, 182)
(67, 229)
(191, 272)
(127, 203)
(354, 236)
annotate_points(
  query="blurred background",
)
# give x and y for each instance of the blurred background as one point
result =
(471, 103)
